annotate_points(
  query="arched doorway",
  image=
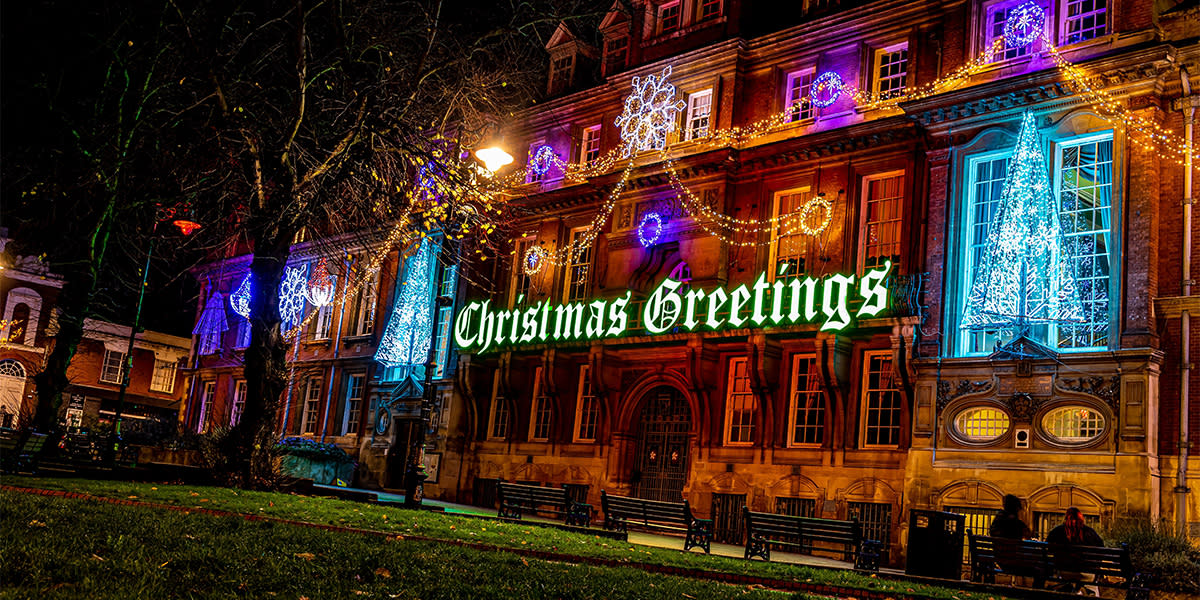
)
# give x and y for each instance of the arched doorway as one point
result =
(661, 468)
(12, 391)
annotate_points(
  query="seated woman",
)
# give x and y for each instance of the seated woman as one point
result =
(1064, 538)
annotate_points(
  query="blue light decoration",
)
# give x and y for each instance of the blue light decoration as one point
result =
(650, 229)
(826, 89)
(291, 296)
(649, 114)
(212, 318)
(542, 160)
(1025, 275)
(239, 300)
(1024, 24)
(534, 258)
(409, 331)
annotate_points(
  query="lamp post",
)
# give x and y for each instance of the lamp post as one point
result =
(186, 227)
(414, 480)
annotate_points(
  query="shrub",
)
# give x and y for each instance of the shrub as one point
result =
(1169, 560)
(313, 450)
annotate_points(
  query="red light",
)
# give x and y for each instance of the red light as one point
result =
(185, 226)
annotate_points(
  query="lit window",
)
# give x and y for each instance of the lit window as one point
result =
(561, 71)
(669, 16)
(709, 9)
(210, 342)
(741, 406)
(243, 334)
(789, 245)
(1073, 424)
(539, 425)
(982, 423)
(796, 96)
(1084, 185)
(616, 53)
(587, 407)
(997, 16)
(112, 367)
(323, 323)
(578, 271)
(312, 404)
(882, 219)
(1084, 20)
(521, 281)
(807, 414)
(881, 401)
(445, 319)
(239, 402)
(531, 175)
(368, 297)
(698, 112)
(589, 149)
(891, 71)
(354, 397)
(207, 394)
(987, 175)
(164, 377)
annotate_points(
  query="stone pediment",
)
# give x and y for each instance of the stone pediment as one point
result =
(1023, 348)
(408, 388)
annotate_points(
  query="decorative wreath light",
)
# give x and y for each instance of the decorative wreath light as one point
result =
(533, 260)
(543, 157)
(650, 220)
(806, 215)
(1024, 25)
(826, 89)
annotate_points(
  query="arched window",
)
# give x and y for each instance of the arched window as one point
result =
(12, 391)
(18, 329)
(981, 423)
(1073, 424)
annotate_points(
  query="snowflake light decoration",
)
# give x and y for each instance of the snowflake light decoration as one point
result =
(533, 260)
(649, 115)
(542, 159)
(1023, 25)
(650, 229)
(826, 89)
(291, 296)
(239, 300)
(321, 285)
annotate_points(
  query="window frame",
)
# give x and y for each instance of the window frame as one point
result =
(1063, 21)
(752, 426)
(445, 318)
(588, 137)
(805, 193)
(966, 275)
(540, 405)
(210, 343)
(516, 287)
(106, 374)
(690, 130)
(208, 393)
(974, 439)
(701, 4)
(366, 305)
(311, 408)
(793, 404)
(988, 36)
(865, 401)
(238, 406)
(877, 67)
(558, 82)
(864, 215)
(805, 112)
(610, 49)
(497, 400)
(243, 335)
(573, 264)
(163, 366)
(323, 323)
(585, 385)
(530, 175)
(660, 25)
(1066, 406)
(352, 416)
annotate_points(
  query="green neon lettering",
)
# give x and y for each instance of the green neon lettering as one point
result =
(462, 327)
(833, 302)
(595, 322)
(617, 315)
(777, 302)
(761, 288)
(716, 299)
(741, 295)
(689, 316)
(568, 321)
(500, 317)
(873, 291)
(486, 322)
(544, 321)
(808, 289)
(529, 324)
(662, 307)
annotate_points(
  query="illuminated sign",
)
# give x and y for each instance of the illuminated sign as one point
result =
(479, 327)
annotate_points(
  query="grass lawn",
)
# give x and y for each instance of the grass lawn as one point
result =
(67, 548)
(441, 526)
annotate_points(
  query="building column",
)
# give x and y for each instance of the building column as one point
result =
(1139, 253)
(935, 248)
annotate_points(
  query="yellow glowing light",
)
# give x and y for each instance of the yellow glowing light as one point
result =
(494, 158)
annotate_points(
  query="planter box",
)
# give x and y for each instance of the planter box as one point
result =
(319, 471)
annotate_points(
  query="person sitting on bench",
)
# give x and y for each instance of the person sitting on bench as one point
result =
(1073, 532)
(1009, 526)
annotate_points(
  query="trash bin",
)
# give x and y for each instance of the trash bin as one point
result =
(935, 544)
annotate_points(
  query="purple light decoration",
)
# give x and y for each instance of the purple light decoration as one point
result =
(650, 220)
(543, 157)
(239, 300)
(826, 89)
(1023, 25)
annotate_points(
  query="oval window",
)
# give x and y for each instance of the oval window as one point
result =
(982, 423)
(1073, 424)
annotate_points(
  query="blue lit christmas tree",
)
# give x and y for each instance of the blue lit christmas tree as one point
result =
(409, 330)
(1025, 276)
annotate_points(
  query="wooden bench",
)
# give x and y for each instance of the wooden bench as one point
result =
(24, 452)
(622, 512)
(802, 533)
(517, 499)
(1054, 563)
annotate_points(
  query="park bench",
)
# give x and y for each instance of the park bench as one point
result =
(1054, 563)
(622, 512)
(518, 498)
(21, 454)
(802, 534)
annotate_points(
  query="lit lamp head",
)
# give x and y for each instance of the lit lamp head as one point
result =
(186, 227)
(494, 158)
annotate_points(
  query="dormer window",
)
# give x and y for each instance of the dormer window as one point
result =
(616, 54)
(709, 9)
(562, 71)
(669, 17)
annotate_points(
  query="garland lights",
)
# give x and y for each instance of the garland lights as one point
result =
(650, 229)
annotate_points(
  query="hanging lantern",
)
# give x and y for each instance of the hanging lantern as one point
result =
(321, 285)
(239, 300)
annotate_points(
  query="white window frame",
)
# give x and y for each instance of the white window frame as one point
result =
(587, 407)
(579, 266)
(730, 399)
(521, 284)
(208, 392)
(804, 111)
(506, 411)
(778, 235)
(163, 379)
(368, 298)
(867, 395)
(351, 417)
(697, 125)
(539, 407)
(240, 389)
(877, 70)
(862, 221)
(795, 394)
(110, 373)
(1064, 21)
(966, 274)
(589, 145)
(323, 322)
(311, 408)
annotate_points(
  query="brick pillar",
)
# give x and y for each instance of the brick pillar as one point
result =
(933, 336)
(1140, 250)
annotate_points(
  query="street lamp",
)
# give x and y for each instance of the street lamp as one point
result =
(413, 479)
(494, 158)
(186, 227)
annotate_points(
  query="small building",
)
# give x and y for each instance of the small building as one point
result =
(28, 324)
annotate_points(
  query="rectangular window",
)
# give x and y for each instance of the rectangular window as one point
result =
(243, 334)
(669, 17)
(1084, 20)
(521, 281)
(797, 93)
(210, 342)
(1084, 185)
(882, 202)
(709, 9)
(498, 420)
(881, 401)
(578, 271)
(807, 414)
(587, 407)
(447, 289)
(789, 245)
(542, 413)
(112, 367)
(997, 16)
(561, 71)
(876, 519)
(164, 377)
(589, 149)
(368, 297)
(891, 71)
(987, 175)
(208, 393)
(741, 406)
(698, 112)
(323, 323)
(354, 398)
(531, 175)
(312, 405)
(616, 54)
(239, 402)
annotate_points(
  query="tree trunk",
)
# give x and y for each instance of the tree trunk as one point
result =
(52, 380)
